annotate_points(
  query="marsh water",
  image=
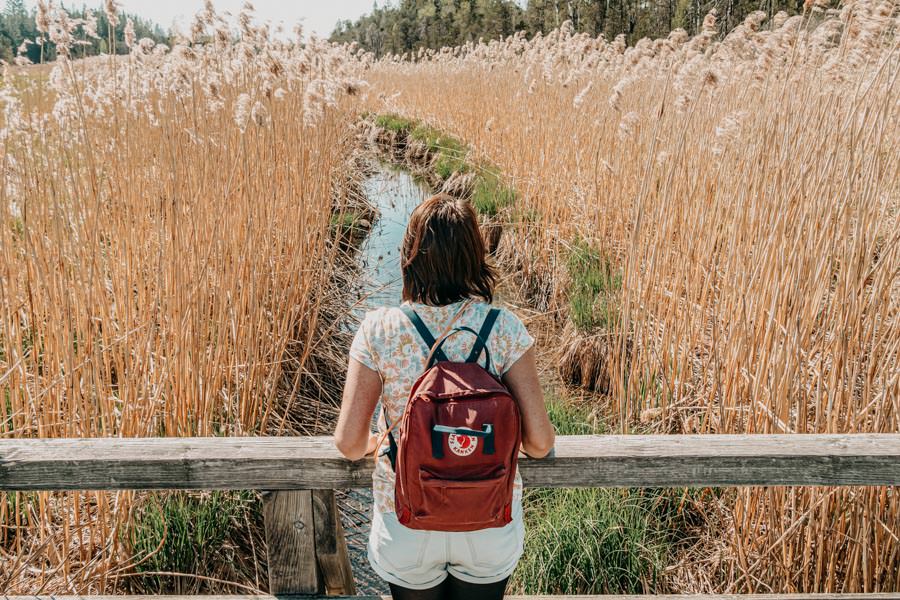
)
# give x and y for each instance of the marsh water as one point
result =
(395, 194)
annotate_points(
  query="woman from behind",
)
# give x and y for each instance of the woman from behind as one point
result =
(447, 284)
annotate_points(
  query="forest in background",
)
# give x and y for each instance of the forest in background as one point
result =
(19, 35)
(413, 24)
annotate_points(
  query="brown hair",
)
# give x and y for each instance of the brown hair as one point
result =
(443, 255)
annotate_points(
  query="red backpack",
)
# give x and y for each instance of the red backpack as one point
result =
(456, 458)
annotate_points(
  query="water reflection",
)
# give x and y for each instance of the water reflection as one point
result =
(396, 194)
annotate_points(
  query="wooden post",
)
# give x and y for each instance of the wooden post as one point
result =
(331, 546)
(290, 537)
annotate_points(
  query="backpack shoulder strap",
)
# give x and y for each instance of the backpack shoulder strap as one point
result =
(424, 333)
(482, 337)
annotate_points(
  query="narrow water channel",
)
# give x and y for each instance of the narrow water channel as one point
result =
(395, 194)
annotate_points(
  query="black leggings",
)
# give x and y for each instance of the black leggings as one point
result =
(452, 589)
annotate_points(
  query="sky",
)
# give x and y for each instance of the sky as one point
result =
(319, 16)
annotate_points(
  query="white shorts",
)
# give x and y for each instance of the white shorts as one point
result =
(419, 559)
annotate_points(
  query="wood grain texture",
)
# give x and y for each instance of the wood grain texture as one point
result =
(331, 546)
(280, 463)
(875, 596)
(290, 539)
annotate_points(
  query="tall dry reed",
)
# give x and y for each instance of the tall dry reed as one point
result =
(165, 227)
(748, 188)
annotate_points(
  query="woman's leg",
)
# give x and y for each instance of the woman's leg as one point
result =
(457, 589)
(435, 593)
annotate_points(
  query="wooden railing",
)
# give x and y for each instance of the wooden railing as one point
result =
(307, 552)
(876, 596)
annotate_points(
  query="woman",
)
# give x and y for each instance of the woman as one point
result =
(446, 279)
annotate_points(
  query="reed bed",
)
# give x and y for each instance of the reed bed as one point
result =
(746, 186)
(168, 262)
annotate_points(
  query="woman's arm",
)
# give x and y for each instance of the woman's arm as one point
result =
(353, 436)
(538, 435)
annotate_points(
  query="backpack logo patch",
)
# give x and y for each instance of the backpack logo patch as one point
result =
(462, 445)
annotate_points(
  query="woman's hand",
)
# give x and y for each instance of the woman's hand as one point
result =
(352, 436)
(550, 454)
(372, 447)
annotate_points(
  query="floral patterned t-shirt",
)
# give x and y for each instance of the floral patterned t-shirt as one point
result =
(387, 342)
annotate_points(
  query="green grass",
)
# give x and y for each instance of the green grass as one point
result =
(21, 503)
(347, 219)
(394, 123)
(451, 153)
(182, 533)
(438, 142)
(596, 541)
(17, 226)
(446, 166)
(594, 294)
(16, 508)
(490, 194)
(589, 541)
(349, 227)
(527, 216)
(568, 419)
(33, 346)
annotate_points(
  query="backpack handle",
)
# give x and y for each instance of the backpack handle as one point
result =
(480, 344)
(433, 355)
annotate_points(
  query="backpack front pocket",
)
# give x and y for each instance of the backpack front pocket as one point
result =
(464, 501)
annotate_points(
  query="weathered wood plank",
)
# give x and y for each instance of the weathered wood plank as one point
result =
(274, 463)
(874, 596)
(331, 546)
(279, 463)
(290, 539)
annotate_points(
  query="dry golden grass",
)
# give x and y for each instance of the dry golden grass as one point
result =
(165, 234)
(165, 228)
(748, 189)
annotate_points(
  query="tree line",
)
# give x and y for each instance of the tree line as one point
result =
(413, 24)
(19, 33)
